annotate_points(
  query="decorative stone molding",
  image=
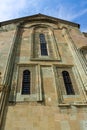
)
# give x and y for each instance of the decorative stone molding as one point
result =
(64, 105)
(80, 104)
(53, 52)
(36, 90)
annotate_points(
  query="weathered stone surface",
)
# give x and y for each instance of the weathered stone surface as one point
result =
(48, 106)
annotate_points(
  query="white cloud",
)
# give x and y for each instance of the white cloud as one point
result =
(73, 15)
(10, 9)
(65, 12)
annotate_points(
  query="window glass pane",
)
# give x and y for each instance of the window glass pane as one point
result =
(43, 45)
(26, 82)
(68, 83)
(44, 52)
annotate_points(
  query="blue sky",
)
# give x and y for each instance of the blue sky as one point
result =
(71, 10)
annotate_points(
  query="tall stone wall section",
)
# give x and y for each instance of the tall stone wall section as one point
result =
(48, 107)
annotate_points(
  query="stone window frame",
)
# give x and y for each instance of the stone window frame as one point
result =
(40, 57)
(26, 82)
(64, 98)
(55, 46)
(68, 83)
(36, 82)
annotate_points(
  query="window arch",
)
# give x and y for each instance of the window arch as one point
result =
(68, 83)
(43, 45)
(26, 82)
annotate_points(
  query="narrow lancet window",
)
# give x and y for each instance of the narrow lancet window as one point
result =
(68, 83)
(26, 82)
(43, 45)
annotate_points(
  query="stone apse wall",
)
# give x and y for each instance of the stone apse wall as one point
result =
(48, 106)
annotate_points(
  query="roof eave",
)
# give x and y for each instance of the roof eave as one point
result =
(24, 18)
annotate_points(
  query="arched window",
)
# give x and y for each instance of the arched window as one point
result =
(68, 83)
(26, 82)
(43, 45)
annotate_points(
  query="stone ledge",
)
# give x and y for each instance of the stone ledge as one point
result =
(64, 105)
(72, 104)
(44, 59)
(80, 104)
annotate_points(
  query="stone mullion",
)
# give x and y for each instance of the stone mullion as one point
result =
(75, 87)
(33, 79)
(39, 89)
(57, 82)
(77, 61)
(79, 82)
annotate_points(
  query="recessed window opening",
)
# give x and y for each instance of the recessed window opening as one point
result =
(43, 45)
(26, 82)
(68, 83)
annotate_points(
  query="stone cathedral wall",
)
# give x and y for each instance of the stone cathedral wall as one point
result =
(48, 106)
(31, 117)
